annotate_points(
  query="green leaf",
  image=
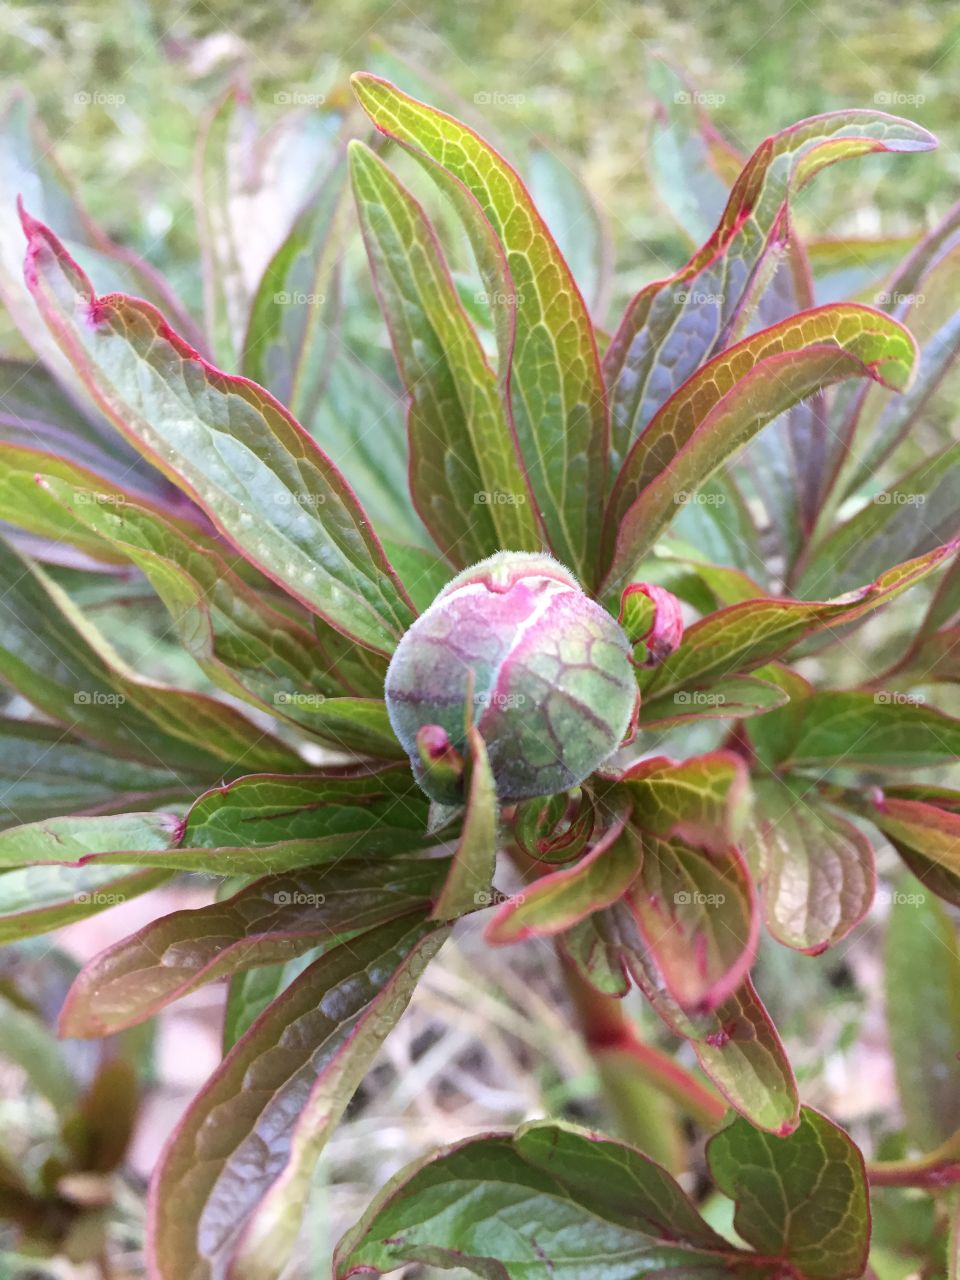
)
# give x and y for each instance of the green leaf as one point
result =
(747, 635)
(682, 154)
(474, 859)
(873, 730)
(336, 803)
(229, 444)
(35, 900)
(53, 655)
(728, 401)
(466, 479)
(907, 519)
(237, 1204)
(249, 190)
(45, 772)
(249, 993)
(918, 828)
(802, 1198)
(244, 644)
(575, 221)
(816, 870)
(704, 800)
(360, 418)
(671, 327)
(592, 948)
(698, 915)
(289, 342)
(36, 415)
(548, 356)
(27, 1043)
(270, 922)
(68, 840)
(557, 901)
(28, 169)
(737, 1044)
(924, 1032)
(549, 1202)
(737, 697)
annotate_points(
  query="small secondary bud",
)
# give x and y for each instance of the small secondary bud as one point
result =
(514, 646)
(651, 616)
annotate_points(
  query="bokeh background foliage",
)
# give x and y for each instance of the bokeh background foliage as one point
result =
(123, 87)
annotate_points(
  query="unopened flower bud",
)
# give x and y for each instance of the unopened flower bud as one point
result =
(516, 647)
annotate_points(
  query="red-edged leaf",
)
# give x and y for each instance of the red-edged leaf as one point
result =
(698, 915)
(548, 355)
(672, 326)
(704, 800)
(269, 922)
(562, 899)
(471, 872)
(466, 480)
(233, 1204)
(725, 403)
(229, 444)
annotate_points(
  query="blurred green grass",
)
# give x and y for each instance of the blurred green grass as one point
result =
(123, 85)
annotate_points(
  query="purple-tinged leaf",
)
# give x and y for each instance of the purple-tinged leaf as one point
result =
(671, 327)
(69, 840)
(727, 401)
(249, 191)
(922, 824)
(290, 341)
(907, 519)
(704, 800)
(272, 921)
(549, 365)
(228, 443)
(231, 1204)
(815, 869)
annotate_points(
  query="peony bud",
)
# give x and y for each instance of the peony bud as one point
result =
(515, 646)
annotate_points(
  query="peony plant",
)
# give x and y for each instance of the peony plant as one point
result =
(603, 671)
